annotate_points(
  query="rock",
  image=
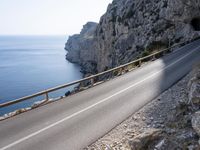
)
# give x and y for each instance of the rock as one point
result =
(143, 118)
(125, 125)
(160, 144)
(194, 94)
(196, 122)
(151, 118)
(130, 134)
(37, 104)
(194, 86)
(191, 147)
(130, 29)
(144, 140)
(134, 118)
(67, 93)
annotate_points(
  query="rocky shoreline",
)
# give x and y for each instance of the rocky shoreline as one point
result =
(171, 121)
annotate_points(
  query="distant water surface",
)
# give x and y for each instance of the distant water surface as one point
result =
(29, 64)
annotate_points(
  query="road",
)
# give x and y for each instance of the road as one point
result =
(78, 120)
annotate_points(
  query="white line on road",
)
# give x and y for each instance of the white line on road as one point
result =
(83, 110)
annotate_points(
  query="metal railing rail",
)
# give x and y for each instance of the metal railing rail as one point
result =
(90, 78)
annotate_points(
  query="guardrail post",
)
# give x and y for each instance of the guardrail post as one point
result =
(81, 84)
(46, 96)
(113, 74)
(132, 66)
(164, 52)
(154, 57)
(170, 49)
(140, 62)
(120, 71)
(126, 69)
(92, 81)
(123, 69)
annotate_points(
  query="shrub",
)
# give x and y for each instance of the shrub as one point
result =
(146, 53)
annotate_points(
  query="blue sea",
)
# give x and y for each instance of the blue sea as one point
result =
(29, 64)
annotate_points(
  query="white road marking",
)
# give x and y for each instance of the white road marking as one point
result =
(103, 100)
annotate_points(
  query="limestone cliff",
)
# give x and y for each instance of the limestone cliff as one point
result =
(131, 26)
(80, 47)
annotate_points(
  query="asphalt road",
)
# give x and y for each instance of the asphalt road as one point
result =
(78, 120)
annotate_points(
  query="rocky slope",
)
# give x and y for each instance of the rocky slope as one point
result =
(130, 27)
(170, 122)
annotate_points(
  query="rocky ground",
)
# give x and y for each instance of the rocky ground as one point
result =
(169, 122)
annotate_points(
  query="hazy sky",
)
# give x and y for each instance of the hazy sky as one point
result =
(28, 17)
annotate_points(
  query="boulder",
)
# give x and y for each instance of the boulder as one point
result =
(196, 122)
(146, 139)
(194, 86)
(67, 93)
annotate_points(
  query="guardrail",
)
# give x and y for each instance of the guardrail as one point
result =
(120, 69)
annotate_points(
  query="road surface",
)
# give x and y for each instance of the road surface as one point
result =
(78, 120)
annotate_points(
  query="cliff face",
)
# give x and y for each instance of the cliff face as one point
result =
(131, 26)
(80, 47)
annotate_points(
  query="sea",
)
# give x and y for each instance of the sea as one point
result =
(30, 64)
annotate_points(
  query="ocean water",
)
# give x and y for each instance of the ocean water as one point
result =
(29, 64)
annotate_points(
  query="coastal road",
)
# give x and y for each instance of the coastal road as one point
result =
(80, 119)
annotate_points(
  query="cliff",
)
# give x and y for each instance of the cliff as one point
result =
(129, 27)
(80, 48)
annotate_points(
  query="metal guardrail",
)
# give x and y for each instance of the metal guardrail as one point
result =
(91, 79)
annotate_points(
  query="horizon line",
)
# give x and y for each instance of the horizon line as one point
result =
(34, 35)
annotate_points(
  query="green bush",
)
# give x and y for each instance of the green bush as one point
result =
(145, 53)
(156, 46)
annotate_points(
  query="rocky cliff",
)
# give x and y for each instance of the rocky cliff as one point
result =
(130, 27)
(80, 48)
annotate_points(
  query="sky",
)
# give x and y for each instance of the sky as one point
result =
(48, 17)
